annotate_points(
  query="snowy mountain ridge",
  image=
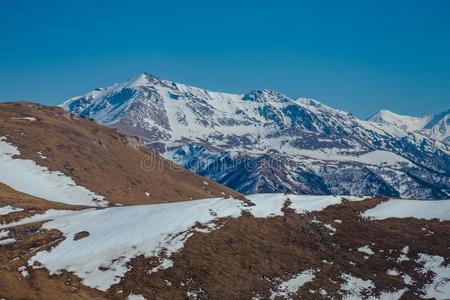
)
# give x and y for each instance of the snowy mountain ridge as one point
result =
(436, 127)
(264, 141)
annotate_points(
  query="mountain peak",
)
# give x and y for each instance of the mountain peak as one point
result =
(404, 122)
(143, 79)
(265, 95)
(312, 104)
(198, 129)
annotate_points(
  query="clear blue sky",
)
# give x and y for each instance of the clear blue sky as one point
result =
(355, 55)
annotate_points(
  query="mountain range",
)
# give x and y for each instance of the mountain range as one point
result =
(264, 141)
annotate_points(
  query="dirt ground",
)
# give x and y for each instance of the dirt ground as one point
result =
(247, 257)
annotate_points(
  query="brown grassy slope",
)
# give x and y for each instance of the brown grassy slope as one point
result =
(245, 257)
(29, 240)
(38, 284)
(248, 257)
(99, 158)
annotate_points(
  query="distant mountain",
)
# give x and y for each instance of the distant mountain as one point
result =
(436, 127)
(404, 122)
(264, 141)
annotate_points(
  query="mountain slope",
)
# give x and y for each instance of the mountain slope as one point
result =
(282, 247)
(436, 127)
(263, 141)
(52, 154)
(439, 127)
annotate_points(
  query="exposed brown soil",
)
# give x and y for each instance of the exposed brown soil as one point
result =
(80, 235)
(37, 283)
(29, 240)
(100, 158)
(248, 257)
(245, 257)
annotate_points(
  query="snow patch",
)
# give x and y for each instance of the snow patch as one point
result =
(271, 204)
(26, 176)
(392, 272)
(48, 215)
(23, 270)
(366, 249)
(288, 288)
(39, 153)
(400, 208)
(4, 233)
(8, 209)
(118, 234)
(329, 227)
(439, 288)
(355, 288)
(135, 297)
(7, 241)
(404, 255)
(31, 119)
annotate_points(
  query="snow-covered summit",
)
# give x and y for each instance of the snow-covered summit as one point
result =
(402, 121)
(311, 141)
(435, 126)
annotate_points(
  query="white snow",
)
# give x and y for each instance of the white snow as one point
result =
(7, 241)
(392, 272)
(4, 233)
(404, 255)
(288, 288)
(354, 288)
(31, 119)
(50, 214)
(408, 280)
(366, 249)
(434, 126)
(26, 176)
(271, 204)
(8, 209)
(23, 270)
(233, 123)
(39, 153)
(401, 121)
(118, 234)
(266, 204)
(135, 297)
(400, 208)
(439, 288)
(330, 227)
(376, 157)
(307, 203)
(405, 249)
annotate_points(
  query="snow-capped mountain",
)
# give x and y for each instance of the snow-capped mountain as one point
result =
(436, 127)
(404, 122)
(263, 141)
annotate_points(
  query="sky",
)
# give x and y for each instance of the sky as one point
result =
(359, 56)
